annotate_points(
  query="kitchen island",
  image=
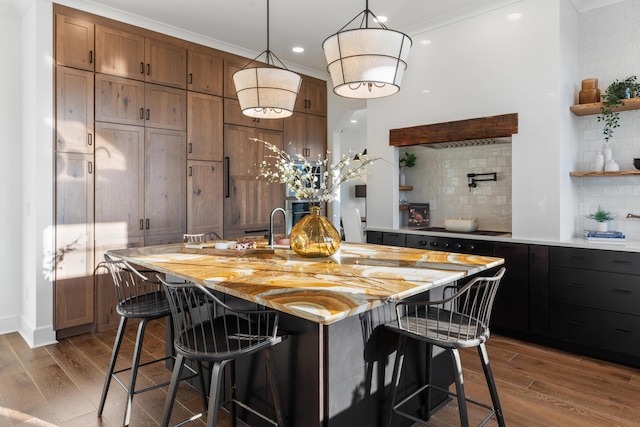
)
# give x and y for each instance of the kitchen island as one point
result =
(332, 370)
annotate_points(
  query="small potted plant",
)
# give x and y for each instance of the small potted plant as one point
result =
(611, 99)
(601, 217)
(408, 160)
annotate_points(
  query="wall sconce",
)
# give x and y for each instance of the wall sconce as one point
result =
(473, 180)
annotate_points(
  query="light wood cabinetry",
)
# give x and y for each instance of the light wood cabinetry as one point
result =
(306, 134)
(126, 101)
(204, 197)
(205, 72)
(233, 115)
(204, 127)
(74, 42)
(312, 98)
(74, 110)
(231, 65)
(127, 54)
(73, 289)
(248, 201)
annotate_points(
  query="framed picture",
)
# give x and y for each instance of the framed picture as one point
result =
(419, 215)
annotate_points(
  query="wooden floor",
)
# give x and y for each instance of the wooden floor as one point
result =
(60, 385)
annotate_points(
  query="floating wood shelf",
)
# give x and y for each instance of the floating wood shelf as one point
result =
(616, 173)
(406, 188)
(404, 207)
(595, 107)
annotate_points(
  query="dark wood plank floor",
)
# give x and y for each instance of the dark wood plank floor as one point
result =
(60, 385)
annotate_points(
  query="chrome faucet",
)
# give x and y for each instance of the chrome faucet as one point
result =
(284, 215)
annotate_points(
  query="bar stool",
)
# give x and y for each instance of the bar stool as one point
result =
(200, 237)
(458, 321)
(209, 331)
(141, 298)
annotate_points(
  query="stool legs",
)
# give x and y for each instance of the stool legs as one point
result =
(137, 351)
(395, 380)
(173, 389)
(112, 362)
(459, 381)
(488, 374)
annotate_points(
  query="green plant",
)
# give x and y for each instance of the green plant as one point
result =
(613, 98)
(601, 215)
(407, 161)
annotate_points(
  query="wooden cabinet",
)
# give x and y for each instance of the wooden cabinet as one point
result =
(306, 134)
(74, 42)
(312, 98)
(521, 303)
(205, 72)
(73, 289)
(132, 55)
(233, 115)
(595, 296)
(231, 65)
(248, 201)
(140, 186)
(126, 101)
(74, 110)
(204, 197)
(204, 127)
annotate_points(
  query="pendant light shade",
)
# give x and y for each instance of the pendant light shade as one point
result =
(366, 62)
(267, 92)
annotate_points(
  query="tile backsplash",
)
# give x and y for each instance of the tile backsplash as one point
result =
(440, 179)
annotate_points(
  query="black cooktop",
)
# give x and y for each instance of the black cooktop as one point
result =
(480, 232)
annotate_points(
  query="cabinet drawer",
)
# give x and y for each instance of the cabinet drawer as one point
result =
(393, 239)
(597, 289)
(593, 259)
(374, 237)
(601, 329)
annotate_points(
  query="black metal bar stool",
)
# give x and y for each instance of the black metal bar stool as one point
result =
(209, 331)
(458, 321)
(141, 298)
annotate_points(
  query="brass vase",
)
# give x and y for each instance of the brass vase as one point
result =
(314, 236)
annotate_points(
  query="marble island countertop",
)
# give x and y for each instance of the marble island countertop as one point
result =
(323, 290)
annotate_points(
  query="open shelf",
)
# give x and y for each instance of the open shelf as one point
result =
(406, 188)
(616, 173)
(595, 107)
(404, 207)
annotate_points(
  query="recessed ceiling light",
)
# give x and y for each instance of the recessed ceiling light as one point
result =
(425, 91)
(425, 42)
(354, 121)
(514, 16)
(381, 19)
(298, 49)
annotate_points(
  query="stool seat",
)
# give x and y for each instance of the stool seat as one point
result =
(460, 320)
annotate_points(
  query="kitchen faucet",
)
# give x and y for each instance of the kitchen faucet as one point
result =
(284, 215)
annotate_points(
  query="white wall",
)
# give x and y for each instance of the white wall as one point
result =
(10, 171)
(485, 65)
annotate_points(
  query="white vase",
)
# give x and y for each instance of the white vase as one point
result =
(403, 179)
(602, 226)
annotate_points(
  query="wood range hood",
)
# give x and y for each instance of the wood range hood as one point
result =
(462, 133)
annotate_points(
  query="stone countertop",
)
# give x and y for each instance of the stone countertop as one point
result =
(575, 242)
(357, 278)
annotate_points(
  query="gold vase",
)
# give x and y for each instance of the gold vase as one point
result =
(314, 236)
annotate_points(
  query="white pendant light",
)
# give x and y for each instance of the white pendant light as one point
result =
(267, 92)
(366, 62)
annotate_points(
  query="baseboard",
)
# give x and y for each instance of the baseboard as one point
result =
(37, 337)
(9, 324)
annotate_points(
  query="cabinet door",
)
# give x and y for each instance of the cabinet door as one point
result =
(511, 306)
(74, 43)
(119, 186)
(165, 107)
(204, 127)
(73, 295)
(119, 100)
(205, 73)
(230, 67)
(295, 135)
(119, 53)
(165, 186)
(539, 290)
(233, 115)
(166, 63)
(316, 136)
(248, 201)
(204, 197)
(312, 98)
(74, 110)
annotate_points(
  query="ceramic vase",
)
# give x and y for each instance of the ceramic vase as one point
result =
(314, 236)
(602, 226)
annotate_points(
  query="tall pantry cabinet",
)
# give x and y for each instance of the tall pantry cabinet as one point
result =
(151, 144)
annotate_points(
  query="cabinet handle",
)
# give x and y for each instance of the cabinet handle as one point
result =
(260, 230)
(621, 261)
(575, 285)
(141, 113)
(142, 68)
(141, 224)
(621, 331)
(190, 78)
(309, 106)
(622, 291)
(90, 57)
(148, 113)
(148, 69)
(90, 167)
(226, 176)
(147, 223)
(190, 148)
(90, 139)
(190, 171)
(576, 322)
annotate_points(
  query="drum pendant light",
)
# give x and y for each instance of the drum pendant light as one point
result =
(267, 92)
(366, 62)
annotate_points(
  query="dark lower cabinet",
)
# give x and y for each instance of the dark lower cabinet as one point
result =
(522, 301)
